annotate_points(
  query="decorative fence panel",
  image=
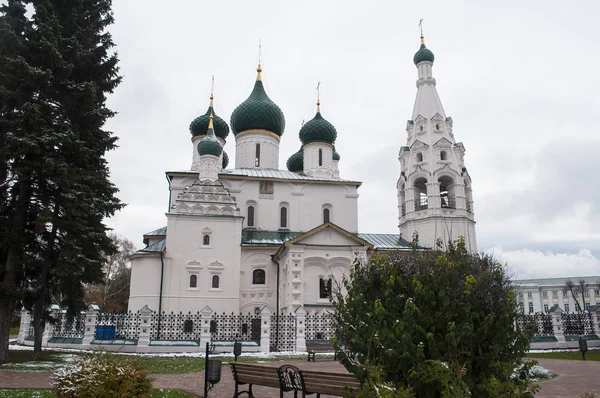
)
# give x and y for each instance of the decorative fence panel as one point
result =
(283, 332)
(126, 326)
(230, 327)
(175, 326)
(62, 327)
(320, 326)
(578, 324)
(542, 323)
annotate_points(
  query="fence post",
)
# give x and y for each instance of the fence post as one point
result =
(300, 329)
(24, 326)
(205, 318)
(265, 330)
(91, 320)
(557, 326)
(145, 315)
(49, 327)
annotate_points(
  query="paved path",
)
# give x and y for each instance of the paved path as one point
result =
(575, 378)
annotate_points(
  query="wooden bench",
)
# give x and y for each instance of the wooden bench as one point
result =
(336, 384)
(314, 346)
(252, 374)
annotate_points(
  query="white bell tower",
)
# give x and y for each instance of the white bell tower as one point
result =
(434, 189)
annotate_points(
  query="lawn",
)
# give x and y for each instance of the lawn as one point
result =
(14, 331)
(50, 361)
(592, 355)
(31, 393)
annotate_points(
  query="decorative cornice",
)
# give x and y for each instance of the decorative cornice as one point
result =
(317, 143)
(257, 132)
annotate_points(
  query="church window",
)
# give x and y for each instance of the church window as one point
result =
(215, 281)
(567, 309)
(320, 157)
(193, 281)
(421, 128)
(257, 156)
(587, 293)
(443, 155)
(326, 215)
(437, 126)
(324, 288)
(419, 157)
(587, 306)
(531, 308)
(250, 221)
(565, 293)
(529, 295)
(447, 198)
(546, 308)
(283, 217)
(555, 294)
(258, 277)
(420, 194)
(206, 240)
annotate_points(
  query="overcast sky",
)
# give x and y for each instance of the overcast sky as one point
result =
(519, 80)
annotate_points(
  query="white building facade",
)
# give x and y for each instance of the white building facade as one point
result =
(571, 295)
(256, 237)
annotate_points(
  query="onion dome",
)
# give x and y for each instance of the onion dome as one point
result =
(296, 162)
(318, 129)
(336, 155)
(225, 159)
(424, 54)
(210, 145)
(200, 124)
(258, 112)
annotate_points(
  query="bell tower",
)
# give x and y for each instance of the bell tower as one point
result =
(435, 198)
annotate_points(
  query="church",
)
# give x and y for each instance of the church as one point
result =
(252, 237)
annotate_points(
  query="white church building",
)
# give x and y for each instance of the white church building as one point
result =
(254, 236)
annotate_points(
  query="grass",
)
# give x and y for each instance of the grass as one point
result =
(593, 355)
(14, 331)
(50, 361)
(31, 393)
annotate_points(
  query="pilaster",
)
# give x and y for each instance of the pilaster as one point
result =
(265, 330)
(300, 329)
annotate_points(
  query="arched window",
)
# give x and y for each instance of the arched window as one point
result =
(257, 156)
(258, 277)
(326, 215)
(283, 217)
(193, 281)
(324, 288)
(447, 198)
(419, 157)
(443, 155)
(437, 126)
(215, 281)
(420, 189)
(206, 240)
(320, 157)
(250, 221)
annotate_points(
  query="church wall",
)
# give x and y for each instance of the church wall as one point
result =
(305, 203)
(444, 228)
(246, 151)
(257, 295)
(187, 256)
(145, 283)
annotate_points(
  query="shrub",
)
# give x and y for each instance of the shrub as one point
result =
(102, 375)
(439, 322)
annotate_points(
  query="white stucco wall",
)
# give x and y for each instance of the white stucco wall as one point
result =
(245, 151)
(145, 283)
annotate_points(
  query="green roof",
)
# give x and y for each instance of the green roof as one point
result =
(158, 247)
(336, 155)
(589, 280)
(258, 112)
(210, 145)
(200, 124)
(386, 241)
(318, 130)
(296, 162)
(252, 237)
(225, 160)
(424, 54)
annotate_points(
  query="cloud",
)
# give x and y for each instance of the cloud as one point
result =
(525, 263)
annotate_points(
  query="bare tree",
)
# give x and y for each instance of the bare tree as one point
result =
(578, 290)
(112, 295)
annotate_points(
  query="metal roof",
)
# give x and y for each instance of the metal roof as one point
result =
(275, 174)
(589, 280)
(157, 232)
(158, 247)
(267, 238)
(386, 241)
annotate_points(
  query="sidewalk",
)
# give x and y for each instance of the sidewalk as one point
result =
(575, 378)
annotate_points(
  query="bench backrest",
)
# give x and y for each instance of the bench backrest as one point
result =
(319, 345)
(255, 374)
(338, 384)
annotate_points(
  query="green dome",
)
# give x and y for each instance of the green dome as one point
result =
(424, 54)
(210, 145)
(258, 112)
(200, 124)
(336, 155)
(296, 162)
(225, 159)
(318, 130)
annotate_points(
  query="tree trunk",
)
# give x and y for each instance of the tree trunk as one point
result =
(12, 269)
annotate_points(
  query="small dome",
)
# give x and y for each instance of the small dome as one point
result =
(210, 145)
(318, 130)
(336, 155)
(424, 54)
(258, 112)
(225, 159)
(296, 162)
(200, 124)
